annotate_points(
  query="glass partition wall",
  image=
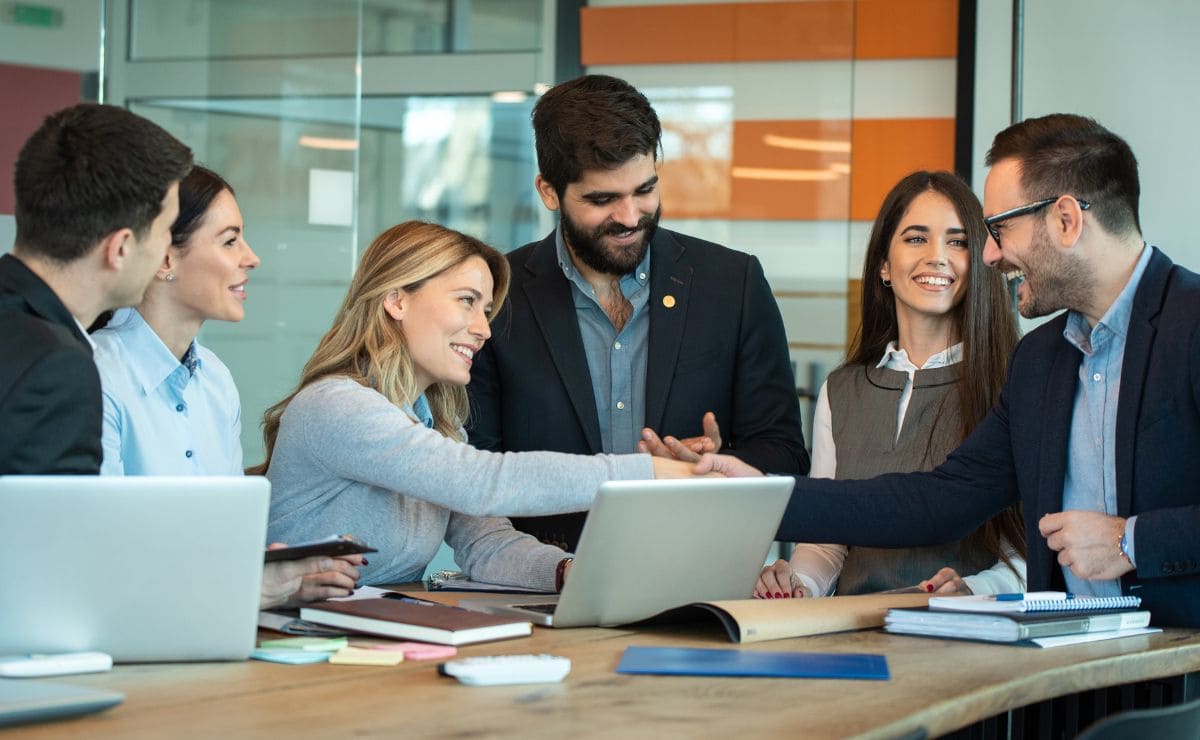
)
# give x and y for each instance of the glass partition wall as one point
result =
(333, 120)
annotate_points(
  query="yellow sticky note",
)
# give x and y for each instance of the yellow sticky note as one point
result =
(359, 656)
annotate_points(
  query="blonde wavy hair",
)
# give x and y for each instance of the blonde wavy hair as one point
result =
(366, 345)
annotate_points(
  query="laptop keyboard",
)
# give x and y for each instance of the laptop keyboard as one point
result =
(540, 608)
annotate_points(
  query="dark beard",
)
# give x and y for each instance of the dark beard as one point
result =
(1054, 281)
(590, 250)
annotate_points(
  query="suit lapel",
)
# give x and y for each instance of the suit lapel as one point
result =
(670, 288)
(553, 309)
(1147, 303)
(1058, 406)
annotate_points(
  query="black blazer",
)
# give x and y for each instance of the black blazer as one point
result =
(720, 348)
(1019, 453)
(49, 388)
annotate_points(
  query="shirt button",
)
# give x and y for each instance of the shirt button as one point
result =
(616, 345)
(188, 453)
(641, 276)
(620, 404)
(179, 407)
(1097, 377)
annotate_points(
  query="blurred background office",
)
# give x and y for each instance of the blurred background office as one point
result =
(784, 123)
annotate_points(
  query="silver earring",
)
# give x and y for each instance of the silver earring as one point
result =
(886, 283)
(170, 277)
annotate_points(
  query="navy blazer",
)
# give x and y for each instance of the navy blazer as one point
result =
(1019, 453)
(50, 402)
(720, 347)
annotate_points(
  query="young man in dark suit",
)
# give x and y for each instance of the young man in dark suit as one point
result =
(615, 328)
(96, 192)
(1097, 431)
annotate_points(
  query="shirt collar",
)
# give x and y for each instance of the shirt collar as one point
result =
(895, 358)
(154, 363)
(83, 330)
(1115, 319)
(421, 411)
(640, 274)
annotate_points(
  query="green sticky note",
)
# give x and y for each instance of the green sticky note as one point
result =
(289, 655)
(311, 644)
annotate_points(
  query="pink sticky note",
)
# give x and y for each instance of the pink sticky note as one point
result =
(419, 650)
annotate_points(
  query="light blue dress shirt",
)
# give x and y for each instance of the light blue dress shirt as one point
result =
(162, 417)
(617, 360)
(1091, 480)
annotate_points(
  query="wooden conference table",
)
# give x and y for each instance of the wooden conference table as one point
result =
(940, 685)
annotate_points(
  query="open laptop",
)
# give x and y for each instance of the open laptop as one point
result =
(141, 568)
(649, 546)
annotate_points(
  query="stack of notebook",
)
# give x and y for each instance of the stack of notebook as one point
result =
(1041, 618)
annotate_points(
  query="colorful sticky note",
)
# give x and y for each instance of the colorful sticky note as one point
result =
(418, 650)
(313, 644)
(289, 656)
(359, 656)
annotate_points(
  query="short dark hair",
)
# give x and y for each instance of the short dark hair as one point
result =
(594, 122)
(88, 171)
(1064, 154)
(197, 190)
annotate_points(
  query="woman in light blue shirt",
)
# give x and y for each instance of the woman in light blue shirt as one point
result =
(170, 406)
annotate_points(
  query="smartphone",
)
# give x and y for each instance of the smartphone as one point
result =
(342, 544)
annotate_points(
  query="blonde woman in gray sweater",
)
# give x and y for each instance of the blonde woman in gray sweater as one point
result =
(371, 441)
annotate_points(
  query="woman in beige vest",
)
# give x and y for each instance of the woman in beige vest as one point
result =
(926, 365)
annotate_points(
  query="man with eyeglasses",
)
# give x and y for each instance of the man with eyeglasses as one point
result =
(1097, 431)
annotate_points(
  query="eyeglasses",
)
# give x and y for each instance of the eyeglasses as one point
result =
(1025, 210)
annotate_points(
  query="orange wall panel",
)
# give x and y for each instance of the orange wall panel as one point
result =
(912, 29)
(717, 32)
(656, 34)
(765, 31)
(821, 29)
(885, 150)
(790, 170)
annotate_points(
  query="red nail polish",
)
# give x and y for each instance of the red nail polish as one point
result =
(929, 587)
(769, 596)
(778, 595)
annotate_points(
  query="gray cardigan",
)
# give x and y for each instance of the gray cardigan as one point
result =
(347, 460)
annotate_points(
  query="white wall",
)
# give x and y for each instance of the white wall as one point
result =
(1131, 66)
(75, 45)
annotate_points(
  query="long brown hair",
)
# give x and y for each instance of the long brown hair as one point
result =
(366, 345)
(984, 324)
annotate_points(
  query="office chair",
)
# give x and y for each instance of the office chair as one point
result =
(1177, 722)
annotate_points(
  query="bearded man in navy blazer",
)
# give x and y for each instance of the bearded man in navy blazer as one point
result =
(96, 191)
(615, 328)
(1097, 430)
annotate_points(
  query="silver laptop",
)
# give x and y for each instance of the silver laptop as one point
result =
(24, 700)
(648, 546)
(141, 568)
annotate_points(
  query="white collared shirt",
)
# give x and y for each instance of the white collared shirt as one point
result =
(824, 451)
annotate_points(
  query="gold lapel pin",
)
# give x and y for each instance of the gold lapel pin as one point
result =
(669, 301)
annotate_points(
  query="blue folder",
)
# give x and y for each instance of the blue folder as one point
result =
(727, 662)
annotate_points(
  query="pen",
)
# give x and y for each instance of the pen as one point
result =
(1021, 597)
(407, 599)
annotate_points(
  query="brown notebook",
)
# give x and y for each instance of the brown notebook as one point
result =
(409, 620)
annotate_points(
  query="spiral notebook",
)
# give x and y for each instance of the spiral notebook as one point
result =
(1034, 601)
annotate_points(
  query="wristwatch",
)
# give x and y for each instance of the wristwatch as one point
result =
(1125, 547)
